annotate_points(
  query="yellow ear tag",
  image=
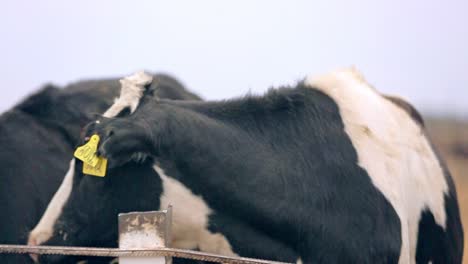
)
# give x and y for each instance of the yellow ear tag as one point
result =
(87, 152)
(92, 164)
(98, 170)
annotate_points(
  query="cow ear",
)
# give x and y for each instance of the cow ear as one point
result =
(39, 103)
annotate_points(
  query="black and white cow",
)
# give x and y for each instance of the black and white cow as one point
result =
(327, 171)
(37, 138)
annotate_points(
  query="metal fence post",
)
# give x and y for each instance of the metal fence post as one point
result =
(145, 230)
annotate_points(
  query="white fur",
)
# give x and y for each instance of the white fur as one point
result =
(44, 229)
(131, 92)
(190, 218)
(393, 150)
(147, 238)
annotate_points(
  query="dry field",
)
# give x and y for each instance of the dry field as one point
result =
(451, 138)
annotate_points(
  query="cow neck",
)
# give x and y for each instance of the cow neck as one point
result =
(191, 143)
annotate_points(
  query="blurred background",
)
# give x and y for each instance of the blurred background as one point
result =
(221, 49)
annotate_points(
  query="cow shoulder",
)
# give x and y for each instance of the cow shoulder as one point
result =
(381, 130)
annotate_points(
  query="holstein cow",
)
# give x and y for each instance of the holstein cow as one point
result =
(37, 138)
(327, 171)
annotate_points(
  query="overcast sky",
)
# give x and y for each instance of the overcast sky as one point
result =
(220, 49)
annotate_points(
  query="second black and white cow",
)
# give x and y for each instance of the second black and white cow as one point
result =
(327, 171)
(37, 137)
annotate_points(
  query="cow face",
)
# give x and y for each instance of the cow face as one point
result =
(84, 211)
(90, 212)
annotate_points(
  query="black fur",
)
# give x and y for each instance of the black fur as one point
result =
(437, 245)
(279, 172)
(37, 138)
(99, 212)
(434, 243)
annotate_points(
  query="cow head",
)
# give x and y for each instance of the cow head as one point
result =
(89, 215)
(84, 210)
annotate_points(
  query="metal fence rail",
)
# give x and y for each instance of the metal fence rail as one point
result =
(115, 252)
(134, 246)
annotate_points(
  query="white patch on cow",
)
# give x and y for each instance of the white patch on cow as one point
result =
(393, 150)
(299, 261)
(44, 229)
(131, 92)
(190, 219)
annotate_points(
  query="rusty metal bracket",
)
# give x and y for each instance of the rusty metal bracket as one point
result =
(145, 230)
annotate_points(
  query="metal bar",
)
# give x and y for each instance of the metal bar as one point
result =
(114, 252)
(144, 230)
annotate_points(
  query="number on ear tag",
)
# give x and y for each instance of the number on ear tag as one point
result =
(98, 170)
(87, 152)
